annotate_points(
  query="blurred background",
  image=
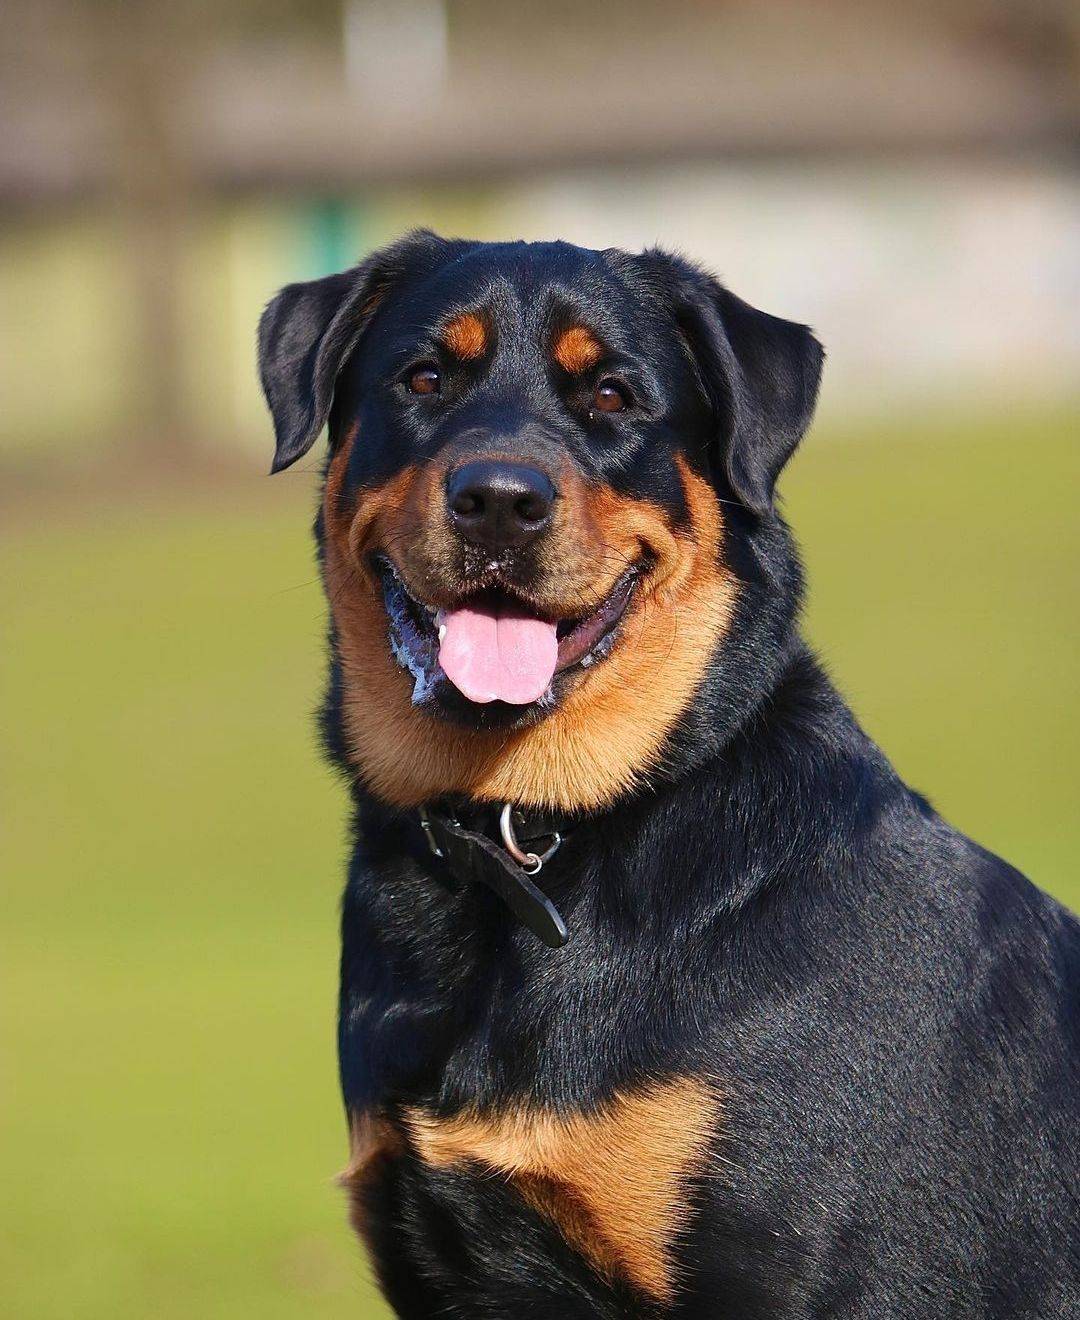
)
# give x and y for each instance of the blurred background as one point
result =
(904, 177)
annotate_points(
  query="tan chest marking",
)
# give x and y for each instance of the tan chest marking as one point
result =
(614, 1181)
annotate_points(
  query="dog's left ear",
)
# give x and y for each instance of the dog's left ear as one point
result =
(760, 373)
(308, 332)
(305, 336)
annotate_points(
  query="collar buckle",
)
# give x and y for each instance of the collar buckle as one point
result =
(530, 862)
(469, 854)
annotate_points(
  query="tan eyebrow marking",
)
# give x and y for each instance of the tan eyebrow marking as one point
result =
(577, 349)
(466, 336)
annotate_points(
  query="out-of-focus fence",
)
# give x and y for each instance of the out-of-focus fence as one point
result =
(941, 281)
(902, 180)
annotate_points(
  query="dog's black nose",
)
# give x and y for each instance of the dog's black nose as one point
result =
(499, 505)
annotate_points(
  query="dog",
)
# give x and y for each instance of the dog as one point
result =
(661, 994)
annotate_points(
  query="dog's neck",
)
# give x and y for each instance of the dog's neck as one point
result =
(505, 846)
(708, 746)
(637, 883)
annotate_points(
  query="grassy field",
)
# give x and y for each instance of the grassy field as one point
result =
(174, 849)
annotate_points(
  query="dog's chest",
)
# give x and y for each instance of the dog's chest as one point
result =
(615, 1181)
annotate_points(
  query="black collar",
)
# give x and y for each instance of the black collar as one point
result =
(464, 839)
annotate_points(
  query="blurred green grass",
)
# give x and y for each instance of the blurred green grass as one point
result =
(174, 848)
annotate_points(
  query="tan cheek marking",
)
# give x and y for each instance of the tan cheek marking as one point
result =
(466, 337)
(577, 349)
(614, 1181)
(607, 734)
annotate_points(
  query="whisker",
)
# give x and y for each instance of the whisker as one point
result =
(296, 587)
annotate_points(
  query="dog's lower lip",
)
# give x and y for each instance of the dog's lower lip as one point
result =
(386, 569)
(586, 637)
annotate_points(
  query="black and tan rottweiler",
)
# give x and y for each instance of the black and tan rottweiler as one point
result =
(661, 995)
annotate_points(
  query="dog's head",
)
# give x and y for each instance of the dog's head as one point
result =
(540, 455)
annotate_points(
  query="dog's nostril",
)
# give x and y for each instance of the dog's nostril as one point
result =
(467, 504)
(532, 508)
(499, 504)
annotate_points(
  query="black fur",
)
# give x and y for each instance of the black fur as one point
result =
(889, 1012)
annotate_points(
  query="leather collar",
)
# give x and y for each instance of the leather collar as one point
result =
(464, 839)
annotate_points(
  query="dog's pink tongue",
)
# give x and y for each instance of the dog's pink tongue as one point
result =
(497, 657)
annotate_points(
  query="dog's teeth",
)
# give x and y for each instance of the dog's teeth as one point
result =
(442, 631)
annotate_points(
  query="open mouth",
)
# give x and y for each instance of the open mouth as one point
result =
(491, 646)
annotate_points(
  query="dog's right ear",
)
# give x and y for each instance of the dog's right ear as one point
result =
(308, 332)
(760, 374)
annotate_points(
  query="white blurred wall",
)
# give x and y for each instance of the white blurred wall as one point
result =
(944, 279)
(931, 282)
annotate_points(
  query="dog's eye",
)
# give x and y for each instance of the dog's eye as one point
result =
(610, 397)
(425, 380)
